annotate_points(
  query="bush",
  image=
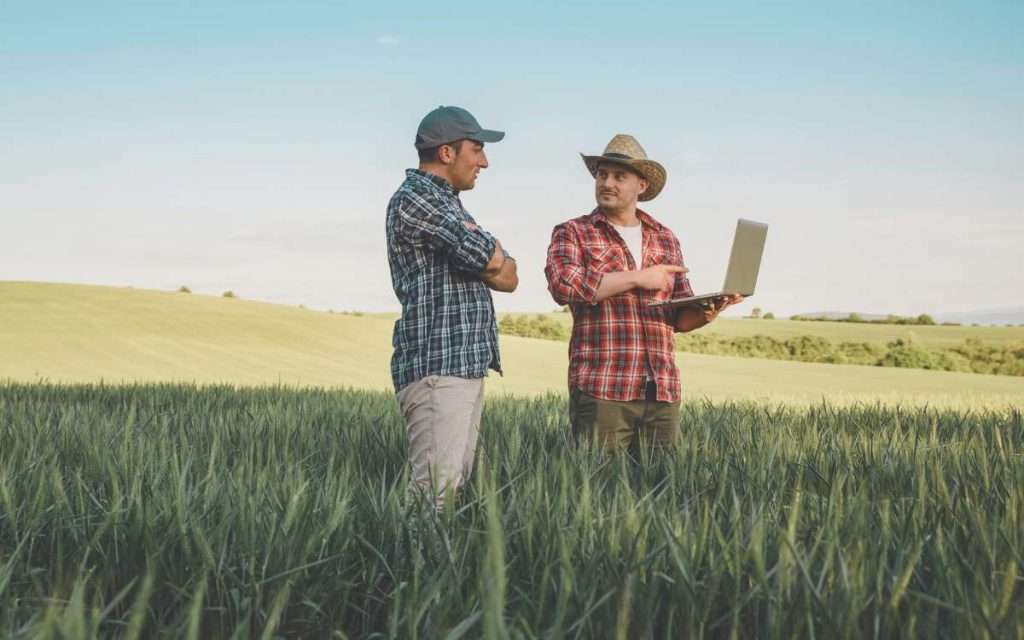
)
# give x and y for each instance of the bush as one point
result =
(184, 289)
(906, 355)
(768, 316)
(972, 356)
(861, 352)
(810, 349)
(228, 294)
(952, 361)
(538, 326)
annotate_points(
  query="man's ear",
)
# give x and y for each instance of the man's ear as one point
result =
(643, 186)
(445, 154)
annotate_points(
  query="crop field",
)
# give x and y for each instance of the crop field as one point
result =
(76, 334)
(177, 511)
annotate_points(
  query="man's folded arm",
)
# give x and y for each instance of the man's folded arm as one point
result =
(469, 248)
(501, 273)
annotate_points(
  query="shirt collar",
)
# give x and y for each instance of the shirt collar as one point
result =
(438, 181)
(597, 216)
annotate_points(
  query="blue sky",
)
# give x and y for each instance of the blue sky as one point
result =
(253, 146)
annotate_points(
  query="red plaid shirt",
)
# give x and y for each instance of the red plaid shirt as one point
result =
(617, 344)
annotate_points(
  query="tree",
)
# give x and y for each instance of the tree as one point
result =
(184, 289)
(755, 312)
(228, 294)
(769, 316)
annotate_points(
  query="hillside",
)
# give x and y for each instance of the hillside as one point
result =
(931, 336)
(76, 333)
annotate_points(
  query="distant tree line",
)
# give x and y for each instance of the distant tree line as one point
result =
(973, 356)
(923, 320)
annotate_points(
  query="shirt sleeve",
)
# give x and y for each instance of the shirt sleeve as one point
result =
(569, 279)
(423, 223)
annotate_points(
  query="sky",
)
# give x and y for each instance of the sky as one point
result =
(253, 146)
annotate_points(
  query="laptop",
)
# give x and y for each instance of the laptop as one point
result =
(744, 263)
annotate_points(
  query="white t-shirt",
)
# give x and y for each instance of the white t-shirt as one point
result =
(634, 237)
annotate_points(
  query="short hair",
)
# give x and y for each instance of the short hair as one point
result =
(430, 154)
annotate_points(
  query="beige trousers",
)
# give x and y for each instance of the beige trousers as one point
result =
(442, 419)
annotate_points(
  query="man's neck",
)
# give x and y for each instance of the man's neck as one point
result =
(439, 170)
(622, 217)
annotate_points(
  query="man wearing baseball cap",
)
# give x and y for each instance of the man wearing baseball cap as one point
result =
(443, 268)
(607, 266)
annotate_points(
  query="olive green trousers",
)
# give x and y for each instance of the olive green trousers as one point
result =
(617, 425)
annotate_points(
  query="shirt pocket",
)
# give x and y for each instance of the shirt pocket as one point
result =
(659, 254)
(605, 258)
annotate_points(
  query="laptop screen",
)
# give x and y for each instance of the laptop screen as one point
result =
(745, 259)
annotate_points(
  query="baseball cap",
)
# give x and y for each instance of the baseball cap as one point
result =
(448, 124)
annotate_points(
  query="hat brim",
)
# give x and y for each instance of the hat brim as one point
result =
(488, 135)
(649, 170)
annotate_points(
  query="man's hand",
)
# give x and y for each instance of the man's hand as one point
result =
(690, 318)
(718, 305)
(659, 277)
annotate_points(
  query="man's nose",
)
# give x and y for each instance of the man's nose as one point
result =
(483, 160)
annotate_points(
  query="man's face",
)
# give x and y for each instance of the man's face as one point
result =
(617, 187)
(466, 162)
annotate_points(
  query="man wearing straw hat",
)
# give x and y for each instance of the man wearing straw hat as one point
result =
(443, 268)
(607, 266)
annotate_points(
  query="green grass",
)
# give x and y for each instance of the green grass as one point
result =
(85, 334)
(171, 511)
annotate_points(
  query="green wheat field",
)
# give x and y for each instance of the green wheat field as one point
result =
(174, 511)
(183, 466)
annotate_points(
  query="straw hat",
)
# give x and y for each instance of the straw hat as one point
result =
(625, 150)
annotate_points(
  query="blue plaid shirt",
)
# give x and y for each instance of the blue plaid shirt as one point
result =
(447, 325)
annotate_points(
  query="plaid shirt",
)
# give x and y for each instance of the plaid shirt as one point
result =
(447, 325)
(617, 344)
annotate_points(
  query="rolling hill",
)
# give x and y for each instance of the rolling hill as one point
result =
(86, 334)
(930, 336)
